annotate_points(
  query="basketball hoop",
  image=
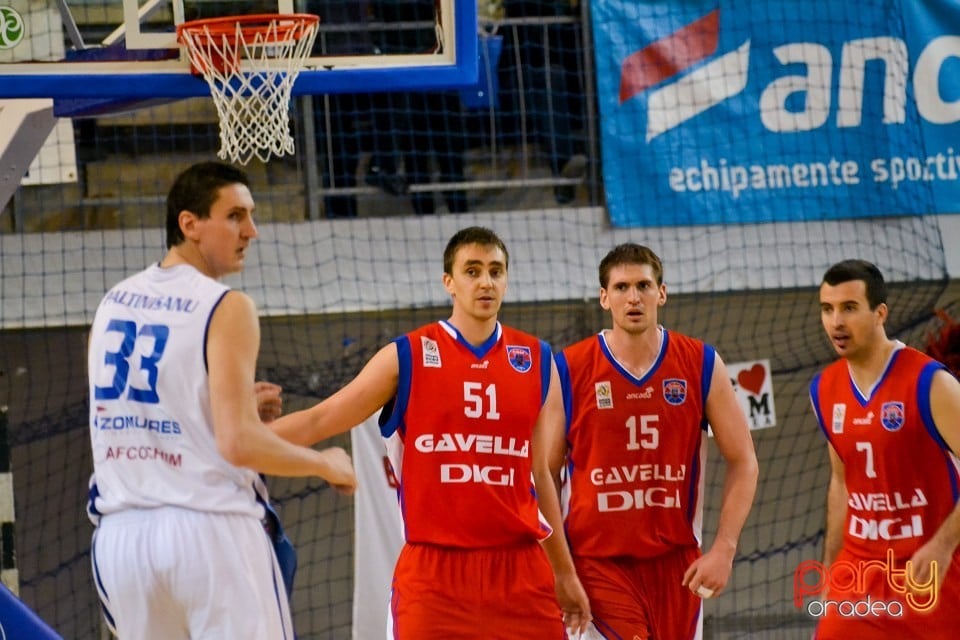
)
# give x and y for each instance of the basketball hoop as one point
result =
(250, 64)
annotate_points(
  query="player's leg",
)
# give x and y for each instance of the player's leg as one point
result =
(135, 600)
(234, 583)
(519, 596)
(483, 594)
(619, 607)
(677, 612)
(427, 598)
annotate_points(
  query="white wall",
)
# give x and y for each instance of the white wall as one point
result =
(365, 264)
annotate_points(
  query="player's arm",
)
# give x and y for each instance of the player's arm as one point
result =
(359, 399)
(945, 409)
(547, 448)
(732, 435)
(233, 342)
(836, 508)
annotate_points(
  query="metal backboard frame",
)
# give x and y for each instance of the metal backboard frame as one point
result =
(130, 74)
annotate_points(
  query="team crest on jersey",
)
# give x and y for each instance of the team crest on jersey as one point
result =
(891, 415)
(675, 391)
(604, 395)
(431, 352)
(519, 357)
(839, 413)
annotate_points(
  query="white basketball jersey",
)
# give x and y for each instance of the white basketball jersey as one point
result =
(150, 421)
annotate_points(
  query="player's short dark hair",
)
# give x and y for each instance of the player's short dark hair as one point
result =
(630, 253)
(472, 235)
(195, 190)
(849, 270)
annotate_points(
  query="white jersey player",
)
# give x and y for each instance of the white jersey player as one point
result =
(149, 452)
(178, 445)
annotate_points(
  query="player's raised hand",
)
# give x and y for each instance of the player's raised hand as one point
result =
(339, 470)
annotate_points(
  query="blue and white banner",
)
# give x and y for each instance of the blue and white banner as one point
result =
(721, 111)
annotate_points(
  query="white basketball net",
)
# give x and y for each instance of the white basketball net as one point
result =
(251, 74)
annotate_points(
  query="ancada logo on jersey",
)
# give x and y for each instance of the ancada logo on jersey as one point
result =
(519, 357)
(803, 76)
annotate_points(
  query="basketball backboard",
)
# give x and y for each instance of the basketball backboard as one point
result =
(108, 50)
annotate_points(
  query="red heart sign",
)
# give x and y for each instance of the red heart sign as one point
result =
(752, 379)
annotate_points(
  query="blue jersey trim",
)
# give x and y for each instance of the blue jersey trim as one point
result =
(706, 379)
(391, 416)
(626, 374)
(92, 494)
(863, 400)
(815, 401)
(694, 486)
(546, 360)
(924, 384)
(206, 329)
(566, 389)
(480, 350)
(103, 595)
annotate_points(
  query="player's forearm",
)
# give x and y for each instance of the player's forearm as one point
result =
(304, 427)
(558, 553)
(320, 422)
(297, 462)
(556, 547)
(947, 535)
(836, 513)
(739, 489)
(253, 446)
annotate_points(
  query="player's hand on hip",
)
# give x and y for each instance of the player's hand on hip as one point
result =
(339, 470)
(269, 402)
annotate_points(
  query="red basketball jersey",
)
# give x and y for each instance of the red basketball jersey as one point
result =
(636, 447)
(901, 479)
(459, 435)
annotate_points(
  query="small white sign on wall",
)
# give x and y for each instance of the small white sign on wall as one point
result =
(753, 385)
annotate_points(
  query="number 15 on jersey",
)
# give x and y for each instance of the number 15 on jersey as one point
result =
(643, 433)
